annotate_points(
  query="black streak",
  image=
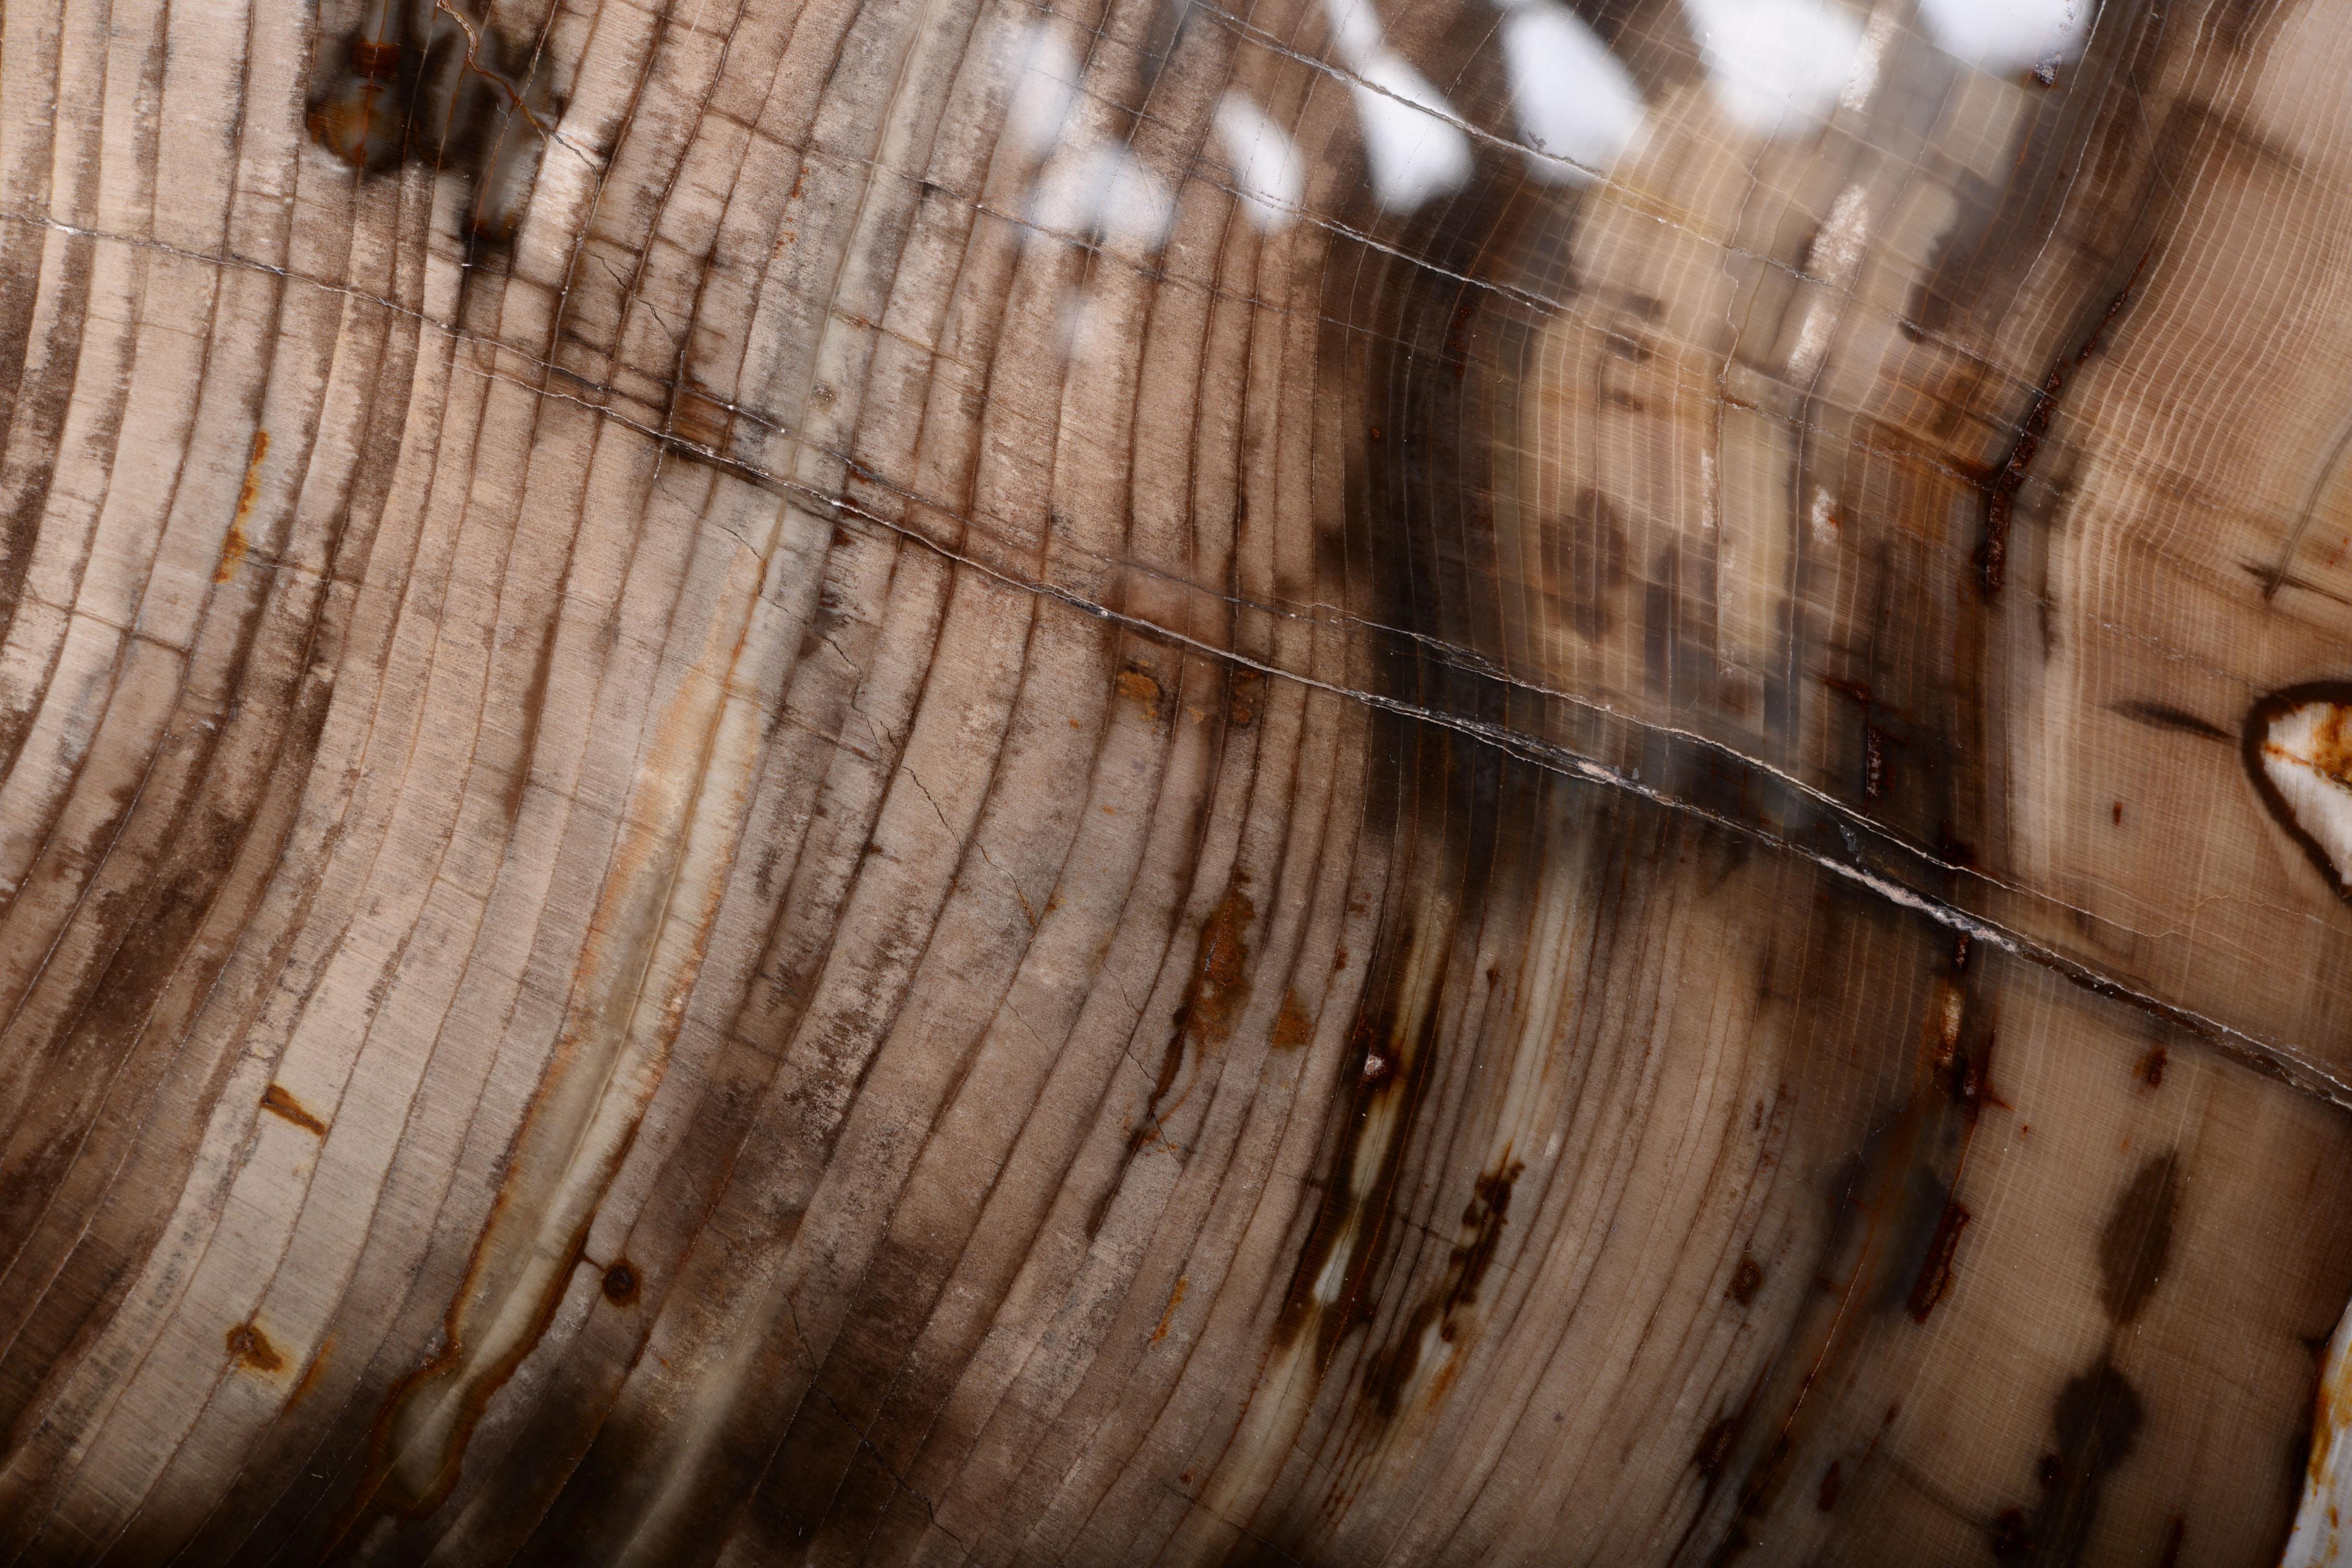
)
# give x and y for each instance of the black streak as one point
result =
(2163, 716)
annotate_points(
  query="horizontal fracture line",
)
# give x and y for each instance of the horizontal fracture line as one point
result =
(2294, 1064)
(1336, 617)
(2288, 1064)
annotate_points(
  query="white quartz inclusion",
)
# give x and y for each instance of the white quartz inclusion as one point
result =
(2304, 755)
(2005, 37)
(1269, 173)
(1412, 142)
(1777, 66)
(1575, 102)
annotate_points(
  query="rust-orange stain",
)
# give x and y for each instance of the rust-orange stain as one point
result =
(1291, 1025)
(1140, 690)
(344, 126)
(234, 547)
(1243, 697)
(249, 1347)
(276, 1100)
(1175, 1299)
(310, 1378)
(1220, 978)
(2331, 747)
(2332, 1411)
(682, 733)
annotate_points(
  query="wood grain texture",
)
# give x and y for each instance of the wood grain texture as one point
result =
(842, 781)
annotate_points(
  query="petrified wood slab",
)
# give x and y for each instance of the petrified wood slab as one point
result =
(930, 781)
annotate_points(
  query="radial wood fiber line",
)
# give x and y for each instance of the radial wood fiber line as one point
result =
(1364, 781)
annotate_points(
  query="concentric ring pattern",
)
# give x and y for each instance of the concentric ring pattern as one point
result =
(927, 781)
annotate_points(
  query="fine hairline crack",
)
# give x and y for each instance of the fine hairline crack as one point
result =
(817, 1386)
(2291, 1064)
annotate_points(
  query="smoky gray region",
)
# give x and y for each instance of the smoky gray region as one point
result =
(2139, 1238)
(2098, 1413)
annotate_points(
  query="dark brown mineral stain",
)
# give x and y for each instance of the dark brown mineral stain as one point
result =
(1483, 1217)
(1387, 1372)
(1935, 1277)
(2000, 501)
(1582, 563)
(278, 1102)
(2010, 1538)
(1745, 1280)
(422, 82)
(698, 416)
(1661, 598)
(2164, 716)
(620, 1284)
(2115, 309)
(2097, 1417)
(534, 704)
(1460, 824)
(2139, 1238)
(2272, 579)
(1993, 559)
(1826, 1498)
(2150, 1071)
(1967, 1079)
(249, 1347)
(1714, 1451)
(2176, 1536)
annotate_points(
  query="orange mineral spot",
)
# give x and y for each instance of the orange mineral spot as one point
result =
(278, 1102)
(249, 1347)
(233, 548)
(1140, 690)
